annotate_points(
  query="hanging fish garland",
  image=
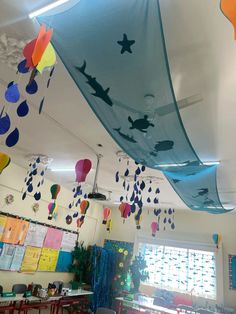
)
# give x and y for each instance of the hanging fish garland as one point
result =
(53, 206)
(82, 169)
(39, 54)
(36, 172)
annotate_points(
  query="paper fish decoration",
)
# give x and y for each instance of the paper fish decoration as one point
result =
(106, 215)
(228, 7)
(4, 161)
(82, 169)
(217, 238)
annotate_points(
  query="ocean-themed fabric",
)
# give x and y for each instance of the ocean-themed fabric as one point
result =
(115, 52)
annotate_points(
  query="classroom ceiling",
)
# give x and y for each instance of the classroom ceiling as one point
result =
(201, 53)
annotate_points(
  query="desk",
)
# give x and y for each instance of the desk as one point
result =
(137, 305)
(55, 302)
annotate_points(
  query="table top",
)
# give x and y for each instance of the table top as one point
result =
(146, 305)
(19, 297)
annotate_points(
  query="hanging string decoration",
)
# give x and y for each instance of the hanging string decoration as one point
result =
(4, 161)
(82, 168)
(53, 206)
(136, 185)
(34, 179)
(39, 54)
(106, 215)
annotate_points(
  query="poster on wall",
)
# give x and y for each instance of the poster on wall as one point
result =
(15, 231)
(17, 258)
(53, 239)
(68, 241)
(36, 235)
(64, 261)
(31, 259)
(6, 255)
(3, 220)
(48, 260)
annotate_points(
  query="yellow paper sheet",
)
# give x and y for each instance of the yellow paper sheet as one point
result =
(48, 260)
(31, 259)
(3, 220)
(15, 231)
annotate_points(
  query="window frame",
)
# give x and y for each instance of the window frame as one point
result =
(166, 240)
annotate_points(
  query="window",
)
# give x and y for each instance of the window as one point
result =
(180, 269)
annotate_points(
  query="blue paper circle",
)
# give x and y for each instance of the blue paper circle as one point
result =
(32, 88)
(12, 93)
(22, 67)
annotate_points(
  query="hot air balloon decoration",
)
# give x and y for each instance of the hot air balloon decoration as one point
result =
(109, 225)
(106, 215)
(124, 209)
(82, 169)
(84, 205)
(228, 8)
(137, 219)
(53, 206)
(217, 238)
(154, 228)
(4, 161)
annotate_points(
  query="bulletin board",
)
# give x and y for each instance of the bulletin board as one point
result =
(30, 246)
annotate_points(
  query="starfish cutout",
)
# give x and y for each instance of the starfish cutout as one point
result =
(126, 44)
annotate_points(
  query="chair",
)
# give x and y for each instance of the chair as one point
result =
(19, 288)
(103, 310)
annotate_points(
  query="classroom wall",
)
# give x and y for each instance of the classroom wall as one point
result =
(190, 226)
(12, 182)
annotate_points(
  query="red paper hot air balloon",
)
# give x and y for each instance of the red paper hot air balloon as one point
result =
(228, 7)
(154, 227)
(82, 168)
(106, 214)
(124, 209)
(84, 205)
(80, 221)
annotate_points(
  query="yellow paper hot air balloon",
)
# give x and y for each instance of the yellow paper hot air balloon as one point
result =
(4, 161)
(228, 7)
(48, 58)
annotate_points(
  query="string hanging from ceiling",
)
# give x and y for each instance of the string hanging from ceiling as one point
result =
(121, 67)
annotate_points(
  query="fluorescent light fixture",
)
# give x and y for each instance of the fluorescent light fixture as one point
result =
(205, 163)
(62, 169)
(47, 8)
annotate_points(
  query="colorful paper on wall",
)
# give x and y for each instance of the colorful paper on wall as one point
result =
(17, 258)
(68, 241)
(15, 231)
(64, 261)
(3, 220)
(6, 256)
(53, 239)
(36, 235)
(48, 260)
(31, 259)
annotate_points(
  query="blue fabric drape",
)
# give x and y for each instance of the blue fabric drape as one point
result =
(115, 52)
(103, 266)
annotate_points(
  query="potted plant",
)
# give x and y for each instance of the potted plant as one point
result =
(81, 265)
(138, 272)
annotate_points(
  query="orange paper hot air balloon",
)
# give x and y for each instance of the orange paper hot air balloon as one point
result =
(84, 205)
(228, 7)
